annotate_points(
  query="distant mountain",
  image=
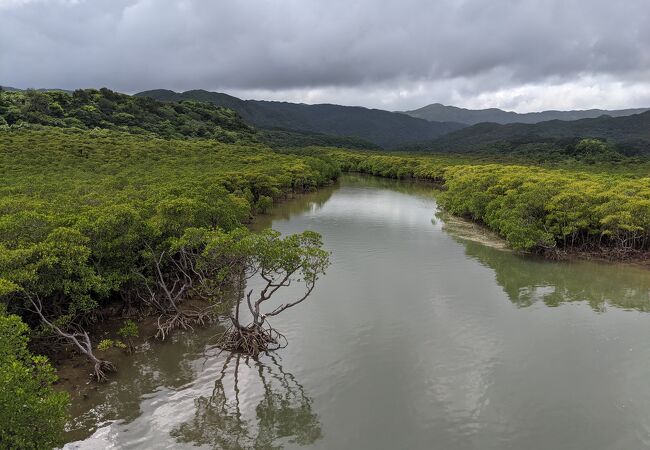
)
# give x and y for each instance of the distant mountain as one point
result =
(13, 89)
(442, 113)
(629, 135)
(383, 128)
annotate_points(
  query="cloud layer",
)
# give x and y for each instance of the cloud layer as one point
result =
(395, 54)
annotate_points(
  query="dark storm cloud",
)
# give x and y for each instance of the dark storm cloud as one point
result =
(472, 47)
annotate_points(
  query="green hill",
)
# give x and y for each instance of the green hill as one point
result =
(103, 108)
(383, 128)
(628, 135)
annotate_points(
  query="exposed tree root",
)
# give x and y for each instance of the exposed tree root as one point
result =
(251, 340)
(185, 320)
(101, 368)
(605, 253)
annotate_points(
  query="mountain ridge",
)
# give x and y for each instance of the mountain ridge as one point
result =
(440, 112)
(630, 135)
(384, 128)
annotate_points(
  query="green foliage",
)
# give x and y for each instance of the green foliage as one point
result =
(106, 344)
(32, 414)
(82, 211)
(225, 254)
(299, 255)
(592, 150)
(535, 207)
(129, 330)
(103, 108)
(264, 203)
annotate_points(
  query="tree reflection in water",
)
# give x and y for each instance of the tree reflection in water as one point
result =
(283, 415)
(527, 280)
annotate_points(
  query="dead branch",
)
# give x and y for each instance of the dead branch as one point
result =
(81, 340)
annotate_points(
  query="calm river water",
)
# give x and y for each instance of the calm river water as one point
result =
(417, 338)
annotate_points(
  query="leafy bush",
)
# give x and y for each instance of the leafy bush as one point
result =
(32, 414)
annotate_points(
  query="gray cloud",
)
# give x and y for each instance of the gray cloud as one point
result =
(395, 54)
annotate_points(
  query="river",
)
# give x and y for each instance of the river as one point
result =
(422, 335)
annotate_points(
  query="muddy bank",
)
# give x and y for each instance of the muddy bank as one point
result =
(75, 370)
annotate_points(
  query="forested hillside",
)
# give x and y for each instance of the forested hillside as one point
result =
(103, 108)
(440, 113)
(627, 135)
(383, 128)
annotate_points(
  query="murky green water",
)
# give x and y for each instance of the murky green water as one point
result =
(415, 339)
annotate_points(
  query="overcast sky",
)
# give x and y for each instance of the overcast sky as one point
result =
(523, 55)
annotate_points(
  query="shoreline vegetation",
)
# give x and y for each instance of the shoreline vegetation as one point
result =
(586, 211)
(126, 206)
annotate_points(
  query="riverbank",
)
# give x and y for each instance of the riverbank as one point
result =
(557, 213)
(75, 370)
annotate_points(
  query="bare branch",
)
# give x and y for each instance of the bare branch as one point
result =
(281, 308)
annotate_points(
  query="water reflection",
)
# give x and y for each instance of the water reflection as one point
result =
(170, 363)
(297, 205)
(223, 420)
(313, 201)
(527, 280)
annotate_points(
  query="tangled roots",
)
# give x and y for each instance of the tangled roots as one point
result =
(185, 320)
(251, 340)
(101, 368)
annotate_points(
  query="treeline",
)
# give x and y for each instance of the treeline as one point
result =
(548, 149)
(103, 108)
(281, 139)
(534, 208)
(540, 209)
